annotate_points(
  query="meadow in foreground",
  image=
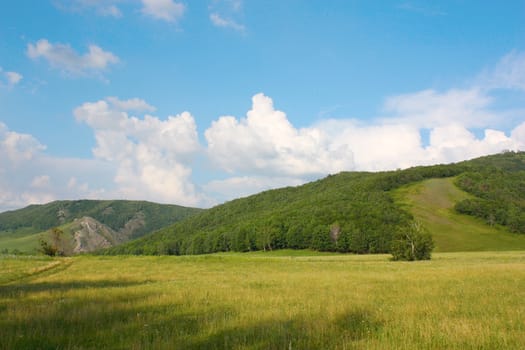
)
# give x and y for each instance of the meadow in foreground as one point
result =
(264, 301)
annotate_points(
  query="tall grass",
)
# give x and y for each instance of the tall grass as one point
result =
(257, 301)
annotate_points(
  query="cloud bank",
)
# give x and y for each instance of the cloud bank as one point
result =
(152, 157)
(141, 156)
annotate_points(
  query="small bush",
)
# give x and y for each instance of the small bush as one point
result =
(412, 243)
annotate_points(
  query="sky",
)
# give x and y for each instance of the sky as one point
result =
(200, 102)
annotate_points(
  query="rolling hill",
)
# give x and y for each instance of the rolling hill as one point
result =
(88, 224)
(432, 202)
(356, 212)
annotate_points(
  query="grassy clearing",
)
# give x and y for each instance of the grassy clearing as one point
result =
(26, 244)
(432, 202)
(257, 301)
(16, 267)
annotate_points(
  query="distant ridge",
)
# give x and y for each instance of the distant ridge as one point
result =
(118, 220)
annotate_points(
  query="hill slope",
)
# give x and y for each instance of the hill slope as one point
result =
(347, 212)
(432, 202)
(21, 229)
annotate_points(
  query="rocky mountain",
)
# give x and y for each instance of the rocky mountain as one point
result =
(89, 224)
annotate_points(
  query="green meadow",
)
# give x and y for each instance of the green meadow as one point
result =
(283, 300)
(432, 203)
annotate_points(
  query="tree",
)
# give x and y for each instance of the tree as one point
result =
(412, 243)
(55, 244)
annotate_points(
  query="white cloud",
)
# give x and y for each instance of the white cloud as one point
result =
(153, 157)
(23, 162)
(219, 21)
(374, 147)
(16, 147)
(101, 7)
(13, 78)
(111, 10)
(509, 73)
(429, 108)
(9, 78)
(150, 158)
(133, 104)
(40, 181)
(66, 59)
(265, 150)
(265, 142)
(227, 14)
(167, 10)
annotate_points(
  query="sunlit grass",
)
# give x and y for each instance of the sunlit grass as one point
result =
(432, 203)
(257, 301)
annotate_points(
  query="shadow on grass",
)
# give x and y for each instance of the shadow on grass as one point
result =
(297, 333)
(63, 286)
(104, 314)
(68, 315)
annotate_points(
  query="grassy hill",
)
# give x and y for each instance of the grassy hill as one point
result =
(432, 202)
(21, 229)
(356, 212)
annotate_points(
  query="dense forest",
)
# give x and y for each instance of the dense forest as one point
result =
(499, 197)
(115, 214)
(347, 212)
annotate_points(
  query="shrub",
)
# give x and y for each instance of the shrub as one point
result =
(412, 243)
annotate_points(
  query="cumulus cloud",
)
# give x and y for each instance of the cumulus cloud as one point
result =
(266, 142)
(166, 10)
(29, 176)
(264, 150)
(64, 58)
(152, 156)
(16, 147)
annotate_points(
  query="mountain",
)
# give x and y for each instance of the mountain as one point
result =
(356, 212)
(88, 224)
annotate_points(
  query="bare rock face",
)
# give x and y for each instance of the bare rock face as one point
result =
(90, 235)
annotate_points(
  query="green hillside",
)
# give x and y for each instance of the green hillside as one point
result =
(21, 229)
(356, 212)
(432, 202)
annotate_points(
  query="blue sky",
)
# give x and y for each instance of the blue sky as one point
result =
(197, 102)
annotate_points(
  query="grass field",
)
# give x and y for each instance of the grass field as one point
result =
(264, 301)
(27, 244)
(432, 202)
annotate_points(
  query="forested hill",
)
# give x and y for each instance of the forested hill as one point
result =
(115, 214)
(347, 212)
(499, 197)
